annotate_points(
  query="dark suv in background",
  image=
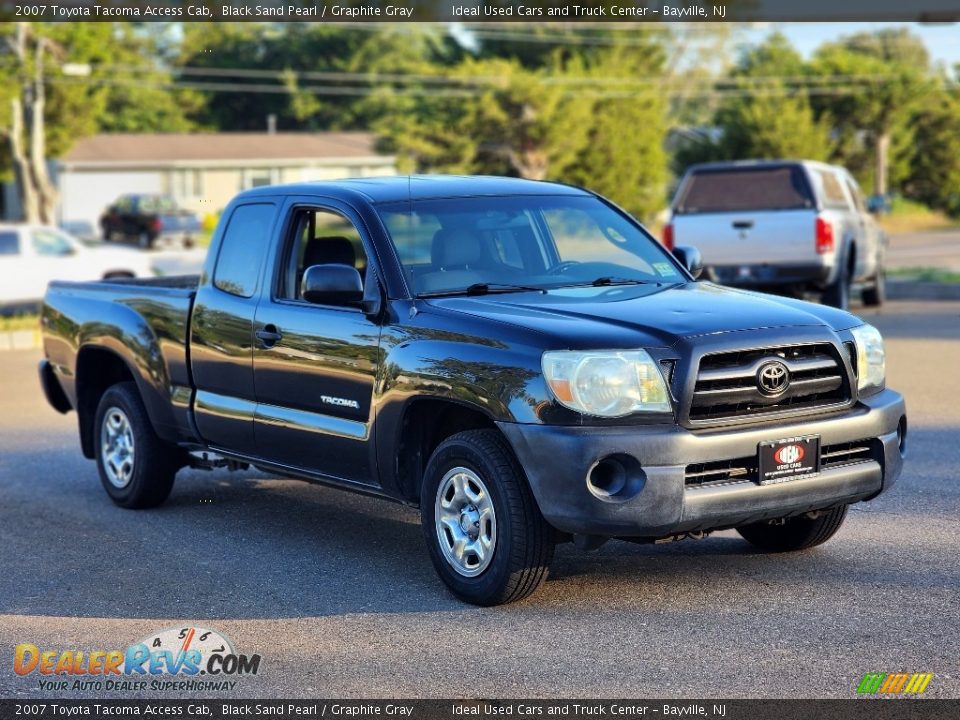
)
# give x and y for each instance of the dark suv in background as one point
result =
(149, 220)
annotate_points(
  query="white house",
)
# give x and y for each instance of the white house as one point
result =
(203, 171)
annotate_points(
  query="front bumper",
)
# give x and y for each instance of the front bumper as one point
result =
(656, 500)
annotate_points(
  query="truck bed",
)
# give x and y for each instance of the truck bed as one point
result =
(144, 321)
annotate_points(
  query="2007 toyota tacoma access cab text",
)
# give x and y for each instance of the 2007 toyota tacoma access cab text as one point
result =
(519, 359)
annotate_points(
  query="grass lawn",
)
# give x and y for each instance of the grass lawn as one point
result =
(906, 216)
(924, 274)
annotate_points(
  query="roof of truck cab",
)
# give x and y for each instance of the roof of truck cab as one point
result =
(728, 164)
(417, 187)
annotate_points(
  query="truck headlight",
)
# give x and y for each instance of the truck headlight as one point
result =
(871, 358)
(606, 383)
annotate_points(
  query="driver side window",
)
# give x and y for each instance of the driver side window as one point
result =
(319, 237)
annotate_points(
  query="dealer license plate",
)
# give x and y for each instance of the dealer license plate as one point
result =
(784, 460)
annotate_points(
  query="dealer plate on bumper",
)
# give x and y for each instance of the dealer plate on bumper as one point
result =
(784, 460)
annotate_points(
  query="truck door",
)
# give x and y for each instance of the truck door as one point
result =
(315, 365)
(221, 328)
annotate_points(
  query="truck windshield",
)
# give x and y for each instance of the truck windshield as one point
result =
(504, 244)
(158, 204)
(721, 190)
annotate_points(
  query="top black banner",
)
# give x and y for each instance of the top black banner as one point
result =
(468, 11)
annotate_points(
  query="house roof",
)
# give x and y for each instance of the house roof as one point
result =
(176, 148)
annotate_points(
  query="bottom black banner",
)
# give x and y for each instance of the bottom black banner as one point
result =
(873, 709)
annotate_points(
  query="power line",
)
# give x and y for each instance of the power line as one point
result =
(377, 77)
(352, 91)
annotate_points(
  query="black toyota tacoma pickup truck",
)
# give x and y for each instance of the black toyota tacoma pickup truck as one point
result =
(521, 360)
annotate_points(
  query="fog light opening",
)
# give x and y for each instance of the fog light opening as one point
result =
(608, 477)
(902, 435)
(616, 478)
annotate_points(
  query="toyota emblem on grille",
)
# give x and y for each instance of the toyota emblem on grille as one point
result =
(773, 378)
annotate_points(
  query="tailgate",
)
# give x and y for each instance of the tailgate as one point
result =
(780, 236)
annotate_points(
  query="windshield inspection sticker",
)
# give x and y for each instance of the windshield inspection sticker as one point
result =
(664, 269)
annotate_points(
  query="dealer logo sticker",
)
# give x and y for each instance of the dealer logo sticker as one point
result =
(180, 658)
(788, 455)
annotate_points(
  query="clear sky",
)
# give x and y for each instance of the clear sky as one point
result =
(943, 41)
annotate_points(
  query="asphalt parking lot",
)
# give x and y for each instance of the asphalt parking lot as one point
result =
(337, 594)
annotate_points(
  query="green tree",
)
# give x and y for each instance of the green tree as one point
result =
(44, 108)
(934, 168)
(624, 156)
(886, 74)
(769, 115)
(499, 118)
(774, 123)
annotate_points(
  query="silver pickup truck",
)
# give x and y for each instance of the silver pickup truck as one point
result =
(780, 225)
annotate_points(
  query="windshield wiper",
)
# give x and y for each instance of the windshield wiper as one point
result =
(610, 280)
(484, 288)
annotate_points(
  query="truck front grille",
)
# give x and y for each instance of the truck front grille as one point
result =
(727, 383)
(741, 470)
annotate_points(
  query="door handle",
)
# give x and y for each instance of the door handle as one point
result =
(269, 335)
(742, 224)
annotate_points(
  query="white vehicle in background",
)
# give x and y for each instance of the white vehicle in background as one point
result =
(33, 255)
(795, 226)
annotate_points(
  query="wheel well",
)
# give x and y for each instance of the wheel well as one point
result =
(97, 370)
(426, 424)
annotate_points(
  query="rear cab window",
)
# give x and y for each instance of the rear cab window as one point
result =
(243, 248)
(831, 190)
(741, 189)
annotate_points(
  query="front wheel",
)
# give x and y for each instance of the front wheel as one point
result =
(796, 533)
(136, 467)
(485, 534)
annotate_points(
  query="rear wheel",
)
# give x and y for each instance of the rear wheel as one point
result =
(796, 533)
(486, 536)
(875, 293)
(837, 294)
(144, 241)
(136, 467)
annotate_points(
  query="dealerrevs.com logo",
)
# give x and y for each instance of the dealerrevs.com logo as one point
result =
(186, 658)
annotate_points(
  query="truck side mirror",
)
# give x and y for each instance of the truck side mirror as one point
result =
(878, 205)
(331, 285)
(690, 258)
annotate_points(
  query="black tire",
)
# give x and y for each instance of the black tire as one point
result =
(797, 533)
(144, 241)
(875, 294)
(524, 541)
(837, 293)
(154, 463)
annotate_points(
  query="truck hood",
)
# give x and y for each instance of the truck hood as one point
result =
(644, 315)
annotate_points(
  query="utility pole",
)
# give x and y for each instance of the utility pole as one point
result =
(882, 151)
